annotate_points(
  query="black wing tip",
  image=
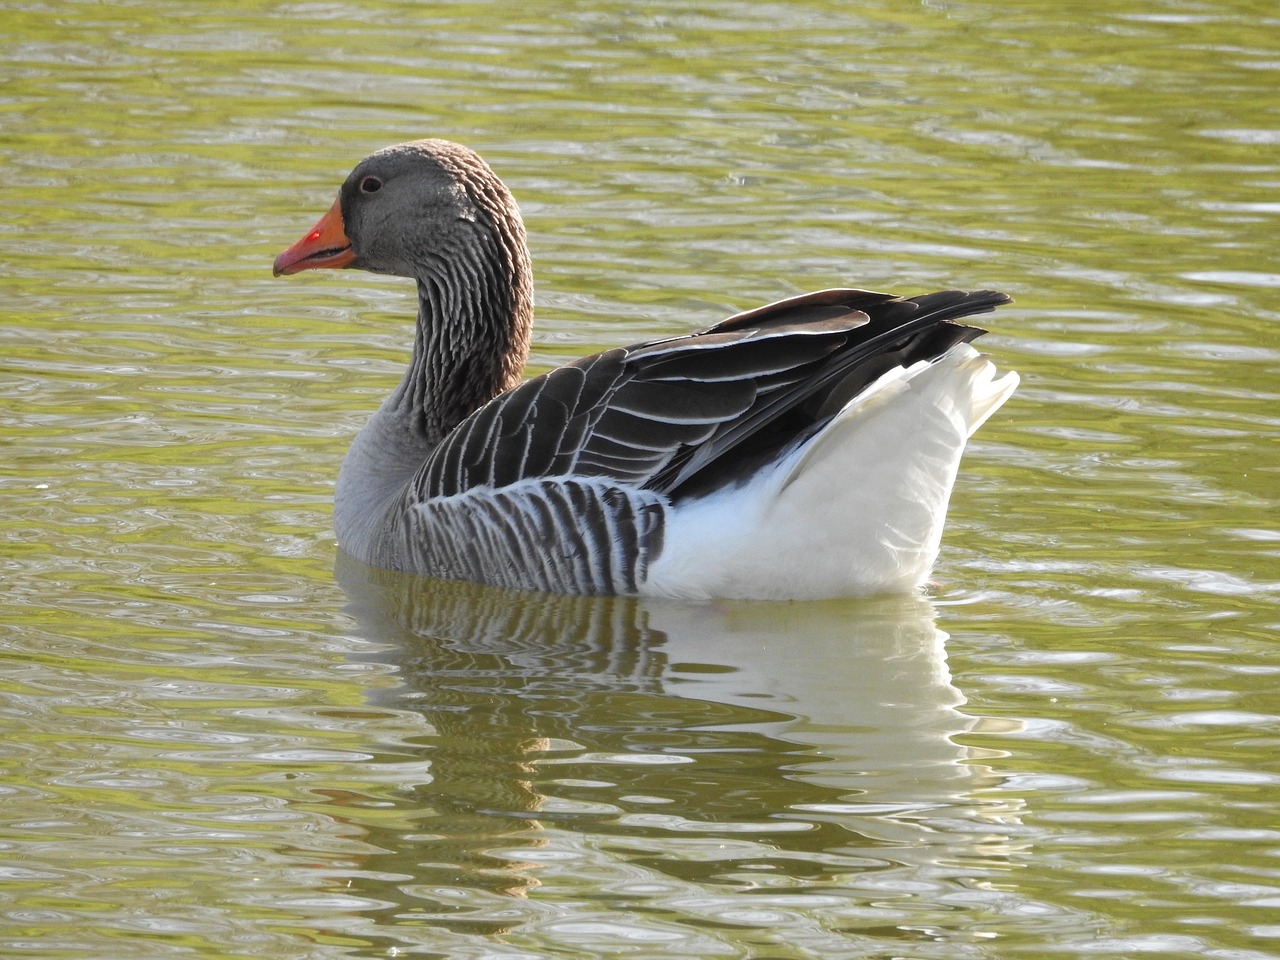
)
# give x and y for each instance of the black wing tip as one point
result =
(971, 300)
(939, 307)
(984, 301)
(842, 305)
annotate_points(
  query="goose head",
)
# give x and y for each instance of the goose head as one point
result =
(429, 209)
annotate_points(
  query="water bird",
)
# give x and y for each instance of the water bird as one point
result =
(802, 449)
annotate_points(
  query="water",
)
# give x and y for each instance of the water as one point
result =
(217, 745)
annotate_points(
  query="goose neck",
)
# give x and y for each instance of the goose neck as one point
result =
(471, 338)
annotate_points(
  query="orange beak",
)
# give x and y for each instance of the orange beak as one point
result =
(327, 245)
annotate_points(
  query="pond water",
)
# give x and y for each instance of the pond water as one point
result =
(220, 742)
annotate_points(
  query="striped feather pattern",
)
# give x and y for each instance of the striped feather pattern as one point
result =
(565, 535)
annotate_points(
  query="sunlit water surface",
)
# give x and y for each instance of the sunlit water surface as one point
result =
(217, 745)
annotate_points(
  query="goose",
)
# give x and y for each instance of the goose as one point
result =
(802, 449)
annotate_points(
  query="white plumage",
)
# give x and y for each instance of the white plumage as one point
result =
(857, 511)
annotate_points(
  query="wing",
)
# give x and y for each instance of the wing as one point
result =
(625, 414)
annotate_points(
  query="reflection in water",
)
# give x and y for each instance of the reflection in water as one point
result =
(678, 750)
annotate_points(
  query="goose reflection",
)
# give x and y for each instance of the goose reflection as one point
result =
(701, 743)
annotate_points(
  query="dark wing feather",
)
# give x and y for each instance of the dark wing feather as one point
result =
(684, 415)
(896, 332)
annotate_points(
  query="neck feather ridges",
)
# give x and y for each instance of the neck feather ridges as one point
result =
(475, 310)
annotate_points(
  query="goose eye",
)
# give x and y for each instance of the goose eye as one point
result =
(370, 185)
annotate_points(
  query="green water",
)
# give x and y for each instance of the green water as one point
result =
(215, 745)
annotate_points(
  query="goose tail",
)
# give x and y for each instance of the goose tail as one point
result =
(857, 510)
